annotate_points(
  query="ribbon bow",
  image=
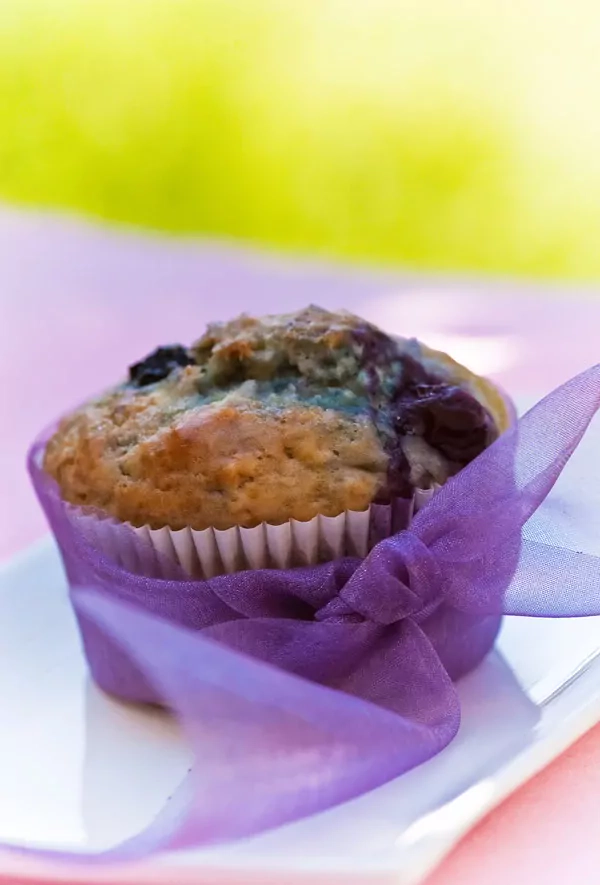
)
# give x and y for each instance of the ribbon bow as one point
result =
(300, 689)
(405, 582)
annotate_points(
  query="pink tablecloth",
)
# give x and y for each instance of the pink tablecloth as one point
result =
(78, 303)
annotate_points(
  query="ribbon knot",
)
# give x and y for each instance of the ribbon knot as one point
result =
(405, 581)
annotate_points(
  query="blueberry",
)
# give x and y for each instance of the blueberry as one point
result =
(159, 364)
(447, 417)
(407, 399)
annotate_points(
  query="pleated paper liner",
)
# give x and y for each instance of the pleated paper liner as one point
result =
(211, 552)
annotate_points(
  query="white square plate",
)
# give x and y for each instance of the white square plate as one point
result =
(83, 771)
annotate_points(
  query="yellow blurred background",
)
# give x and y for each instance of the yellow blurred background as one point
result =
(439, 134)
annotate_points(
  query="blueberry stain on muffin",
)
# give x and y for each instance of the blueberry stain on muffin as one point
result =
(412, 402)
(273, 418)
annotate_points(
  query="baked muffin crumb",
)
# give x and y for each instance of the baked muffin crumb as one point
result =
(264, 420)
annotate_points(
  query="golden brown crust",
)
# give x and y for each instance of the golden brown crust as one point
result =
(220, 466)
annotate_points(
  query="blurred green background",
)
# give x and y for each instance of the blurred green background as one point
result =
(439, 134)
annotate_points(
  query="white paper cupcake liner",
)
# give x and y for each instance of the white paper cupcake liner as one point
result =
(212, 552)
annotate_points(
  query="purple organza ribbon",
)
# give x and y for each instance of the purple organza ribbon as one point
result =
(300, 689)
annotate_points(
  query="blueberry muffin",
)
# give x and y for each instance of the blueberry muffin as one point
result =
(264, 420)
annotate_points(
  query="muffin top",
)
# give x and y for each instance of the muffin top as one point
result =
(264, 420)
